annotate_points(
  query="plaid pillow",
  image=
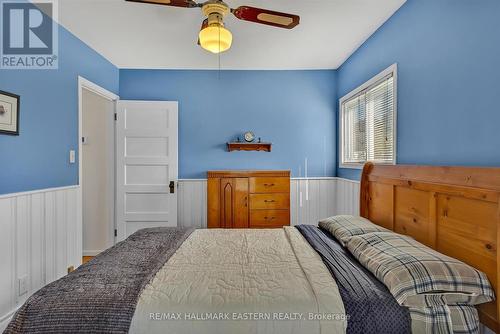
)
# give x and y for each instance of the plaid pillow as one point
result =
(417, 275)
(345, 227)
(446, 319)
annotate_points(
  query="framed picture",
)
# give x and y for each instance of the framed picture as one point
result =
(9, 113)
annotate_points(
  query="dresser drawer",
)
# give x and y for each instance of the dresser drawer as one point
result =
(269, 185)
(269, 201)
(269, 218)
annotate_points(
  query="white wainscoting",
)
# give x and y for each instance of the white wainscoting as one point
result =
(40, 238)
(347, 199)
(192, 203)
(311, 199)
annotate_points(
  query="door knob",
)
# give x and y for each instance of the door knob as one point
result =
(172, 187)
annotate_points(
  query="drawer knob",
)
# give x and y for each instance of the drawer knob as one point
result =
(269, 201)
(268, 184)
(269, 218)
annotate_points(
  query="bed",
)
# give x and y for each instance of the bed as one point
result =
(291, 280)
(455, 210)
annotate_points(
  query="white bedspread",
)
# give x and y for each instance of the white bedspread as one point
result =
(232, 275)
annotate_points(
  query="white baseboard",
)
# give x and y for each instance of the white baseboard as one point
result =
(92, 252)
(4, 320)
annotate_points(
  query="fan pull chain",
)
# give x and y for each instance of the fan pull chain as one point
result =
(218, 55)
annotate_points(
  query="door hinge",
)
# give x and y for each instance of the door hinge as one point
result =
(116, 117)
(116, 232)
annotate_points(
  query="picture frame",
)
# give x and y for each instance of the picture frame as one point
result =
(9, 113)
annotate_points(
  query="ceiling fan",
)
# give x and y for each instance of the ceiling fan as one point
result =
(214, 37)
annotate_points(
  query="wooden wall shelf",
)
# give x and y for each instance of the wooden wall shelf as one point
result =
(264, 147)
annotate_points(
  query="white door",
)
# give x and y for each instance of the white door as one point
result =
(146, 162)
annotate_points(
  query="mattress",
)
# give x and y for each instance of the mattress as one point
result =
(174, 280)
(242, 281)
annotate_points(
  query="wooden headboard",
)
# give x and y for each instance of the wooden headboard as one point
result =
(455, 210)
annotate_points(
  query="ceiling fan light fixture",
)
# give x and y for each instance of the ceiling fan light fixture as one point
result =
(215, 38)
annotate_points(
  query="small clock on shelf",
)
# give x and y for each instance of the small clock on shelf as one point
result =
(249, 136)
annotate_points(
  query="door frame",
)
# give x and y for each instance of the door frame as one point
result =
(96, 89)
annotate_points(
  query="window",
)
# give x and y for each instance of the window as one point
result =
(368, 122)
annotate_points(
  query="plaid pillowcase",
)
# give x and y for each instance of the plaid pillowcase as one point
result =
(446, 319)
(418, 276)
(345, 227)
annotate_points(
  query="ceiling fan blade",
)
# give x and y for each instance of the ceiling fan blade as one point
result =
(174, 3)
(203, 26)
(264, 16)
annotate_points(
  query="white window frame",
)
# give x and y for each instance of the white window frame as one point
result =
(393, 69)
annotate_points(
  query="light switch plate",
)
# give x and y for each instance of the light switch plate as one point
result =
(72, 156)
(23, 285)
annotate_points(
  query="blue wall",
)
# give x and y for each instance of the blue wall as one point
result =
(39, 157)
(295, 110)
(448, 52)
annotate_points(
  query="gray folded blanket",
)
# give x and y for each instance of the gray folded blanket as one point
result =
(101, 295)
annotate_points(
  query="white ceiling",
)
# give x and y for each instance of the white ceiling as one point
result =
(134, 35)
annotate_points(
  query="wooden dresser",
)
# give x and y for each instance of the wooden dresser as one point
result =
(248, 199)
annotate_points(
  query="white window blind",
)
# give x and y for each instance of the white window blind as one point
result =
(368, 127)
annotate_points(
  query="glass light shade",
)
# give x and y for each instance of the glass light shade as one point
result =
(215, 39)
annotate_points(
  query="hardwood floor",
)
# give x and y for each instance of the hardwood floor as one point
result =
(86, 259)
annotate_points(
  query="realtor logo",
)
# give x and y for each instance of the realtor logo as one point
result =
(29, 37)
